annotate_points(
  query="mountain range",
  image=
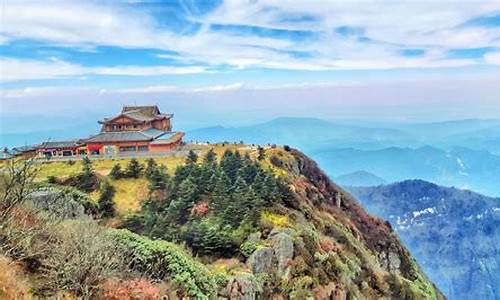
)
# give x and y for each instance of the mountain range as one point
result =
(452, 233)
(463, 153)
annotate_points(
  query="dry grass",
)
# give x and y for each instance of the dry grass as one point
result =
(12, 284)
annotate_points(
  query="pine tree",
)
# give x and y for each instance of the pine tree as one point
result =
(210, 158)
(105, 203)
(151, 166)
(116, 172)
(262, 153)
(237, 207)
(87, 168)
(134, 169)
(221, 192)
(86, 179)
(192, 157)
(179, 208)
(158, 178)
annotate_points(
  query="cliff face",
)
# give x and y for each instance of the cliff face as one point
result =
(353, 254)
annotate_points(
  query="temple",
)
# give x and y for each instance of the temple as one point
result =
(135, 129)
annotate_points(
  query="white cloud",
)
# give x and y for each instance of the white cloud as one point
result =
(389, 26)
(493, 58)
(22, 69)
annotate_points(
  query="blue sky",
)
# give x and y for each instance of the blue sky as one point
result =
(137, 48)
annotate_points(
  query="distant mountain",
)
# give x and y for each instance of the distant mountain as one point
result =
(459, 167)
(359, 178)
(304, 133)
(454, 234)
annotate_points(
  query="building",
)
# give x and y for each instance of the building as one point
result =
(59, 149)
(137, 129)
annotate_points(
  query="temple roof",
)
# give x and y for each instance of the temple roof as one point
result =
(140, 113)
(129, 136)
(59, 144)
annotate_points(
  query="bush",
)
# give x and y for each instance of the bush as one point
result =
(134, 169)
(81, 258)
(116, 172)
(138, 288)
(160, 259)
(52, 179)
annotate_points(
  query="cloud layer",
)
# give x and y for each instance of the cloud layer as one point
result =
(234, 35)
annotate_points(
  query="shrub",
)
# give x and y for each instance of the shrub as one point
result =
(160, 259)
(275, 220)
(81, 258)
(51, 179)
(138, 288)
(116, 172)
(134, 169)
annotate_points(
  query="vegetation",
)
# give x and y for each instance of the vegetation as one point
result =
(210, 205)
(231, 209)
(106, 204)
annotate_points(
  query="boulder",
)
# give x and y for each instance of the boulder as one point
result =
(241, 288)
(261, 260)
(283, 251)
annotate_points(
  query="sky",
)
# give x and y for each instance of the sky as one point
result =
(236, 62)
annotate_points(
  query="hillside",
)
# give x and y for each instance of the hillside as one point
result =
(255, 223)
(453, 233)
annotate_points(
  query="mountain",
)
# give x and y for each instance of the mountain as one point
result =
(460, 167)
(303, 133)
(453, 233)
(359, 178)
(247, 224)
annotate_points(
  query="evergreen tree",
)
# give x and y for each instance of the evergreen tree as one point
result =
(237, 207)
(192, 157)
(151, 166)
(86, 179)
(105, 203)
(87, 168)
(179, 208)
(134, 169)
(262, 153)
(221, 192)
(116, 172)
(158, 178)
(210, 158)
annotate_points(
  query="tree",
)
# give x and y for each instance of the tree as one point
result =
(86, 179)
(116, 172)
(179, 208)
(210, 158)
(134, 169)
(150, 167)
(262, 153)
(159, 178)
(105, 203)
(87, 168)
(221, 192)
(16, 180)
(192, 157)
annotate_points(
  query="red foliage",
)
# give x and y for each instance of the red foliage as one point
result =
(200, 208)
(24, 218)
(326, 244)
(132, 289)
